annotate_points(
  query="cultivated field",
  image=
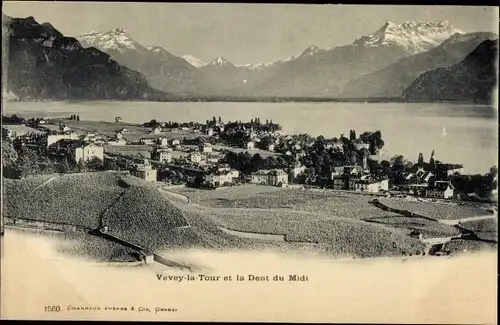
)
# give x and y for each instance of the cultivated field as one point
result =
(143, 216)
(484, 229)
(337, 236)
(135, 133)
(76, 199)
(434, 209)
(344, 205)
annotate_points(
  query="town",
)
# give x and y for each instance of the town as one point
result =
(219, 154)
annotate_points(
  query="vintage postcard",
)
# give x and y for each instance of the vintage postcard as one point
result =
(249, 162)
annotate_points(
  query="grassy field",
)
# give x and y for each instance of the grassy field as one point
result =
(135, 133)
(138, 148)
(263, 153)
(133, 150)
(435, 210)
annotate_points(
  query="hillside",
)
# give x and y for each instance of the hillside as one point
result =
(44, 64)
(471, 80)
(395, 78)
(133, 209)
(162, 69)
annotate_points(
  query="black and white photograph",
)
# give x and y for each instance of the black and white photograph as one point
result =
(249, 162)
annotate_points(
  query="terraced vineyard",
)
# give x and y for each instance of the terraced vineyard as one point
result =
(76, 199)
(435, 210)
(338, 236)
(143, 216)
(344, 205)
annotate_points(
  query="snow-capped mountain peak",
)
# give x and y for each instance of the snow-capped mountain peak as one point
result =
(117, 39)
(156, 49)
(193, 61)
(220, 61)
(255, 66)
(413, 37)
(311, 50)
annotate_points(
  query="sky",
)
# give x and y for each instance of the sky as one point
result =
(243, 33)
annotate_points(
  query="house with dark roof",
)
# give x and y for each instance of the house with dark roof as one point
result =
(275, 177)
(441, 190)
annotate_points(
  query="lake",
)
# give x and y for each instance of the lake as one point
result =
(466, 134)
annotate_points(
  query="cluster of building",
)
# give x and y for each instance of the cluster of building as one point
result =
(357, 178)
(57, 140)
(203, 159)
(433, 183)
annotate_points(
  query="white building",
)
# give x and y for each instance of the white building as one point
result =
(156, 130)
(371, 185)
(206, 148)
(145, 171)
(161, 155)
(250, 145)
(441, 190)
(298, 169)
(270, 147)
(195, 157)
(275, 177)
(210, 132)
(147, 141)
(86, 152)
(223, 176)
(53, 138)
(162, 141)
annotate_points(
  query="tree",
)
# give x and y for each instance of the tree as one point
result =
(94, 164)
(80, 166)
(220, 120)
(78, 117)
(63, 166)
(494, 171)
(420, 159)
(9, 154)
(352, 135)
(27, 162)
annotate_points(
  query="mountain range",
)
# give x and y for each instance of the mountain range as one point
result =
(42, 63)
(392, 80)
(382, 64)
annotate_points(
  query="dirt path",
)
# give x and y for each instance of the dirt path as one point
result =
(458, 221)
(45, 183)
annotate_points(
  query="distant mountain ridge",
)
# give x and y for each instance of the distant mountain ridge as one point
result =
(471, 80)
(194, 61)
(44, 64)
(380, 65)
(413, 37)
(392, 80)
(164, 70)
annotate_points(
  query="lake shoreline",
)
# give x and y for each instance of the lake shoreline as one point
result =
(264, 100)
